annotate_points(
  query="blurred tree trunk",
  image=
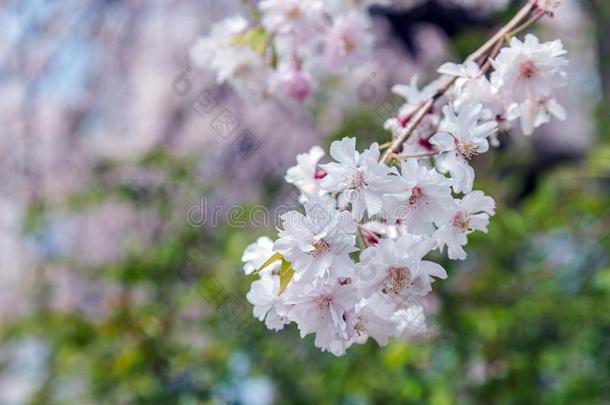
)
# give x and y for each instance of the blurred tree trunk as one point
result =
(600, 12)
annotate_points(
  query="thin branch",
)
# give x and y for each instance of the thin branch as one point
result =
(414, 155)
(534, 19)
(385, 145)
(485, 67)
(514, 23)
(510, 26)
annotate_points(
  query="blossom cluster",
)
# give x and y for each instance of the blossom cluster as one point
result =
(288, 47)
(520, 89)
(355, 264)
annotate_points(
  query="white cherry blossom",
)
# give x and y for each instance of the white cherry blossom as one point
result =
(425, 198)
(264, 296)
(536, 112)
(529, 68)
(321, 310)
(373, 317)
(463, 135)
(347, 42)
(306, 175)
(473, 87)
(291, 16)
(395, 268)
(319, 243)
(293, 81)
(357, 254)
(219, 37)
(471, 214)
(256, 254)
(359, 177)
(467, 71)
(231, 61)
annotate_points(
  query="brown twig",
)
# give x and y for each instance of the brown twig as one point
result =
(510, 27)
(413, 155)
(532, 20)
(485, 66)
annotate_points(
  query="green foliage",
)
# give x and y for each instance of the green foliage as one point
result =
(364, 125)
(524, 320)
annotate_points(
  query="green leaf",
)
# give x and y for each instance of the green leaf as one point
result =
(274, 57)
(256, 38)
(277, 256)
(286, 273)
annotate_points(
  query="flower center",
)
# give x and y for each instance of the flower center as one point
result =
(460, 221)
(243, 69)
(349, 43)
(293, 13)
(357, 180)
(426, 144)
(323, 301)
(344, 281)
(527, 69)
(319, 246)
(415, 194)
(359, 328)
(466, 149)
(397, 278)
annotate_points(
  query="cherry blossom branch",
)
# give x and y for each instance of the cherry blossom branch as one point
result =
(347, 267)
(515, 25)
(385, 145)
(532, 20)
(538, 14)
(414, 155)
(485, 66)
